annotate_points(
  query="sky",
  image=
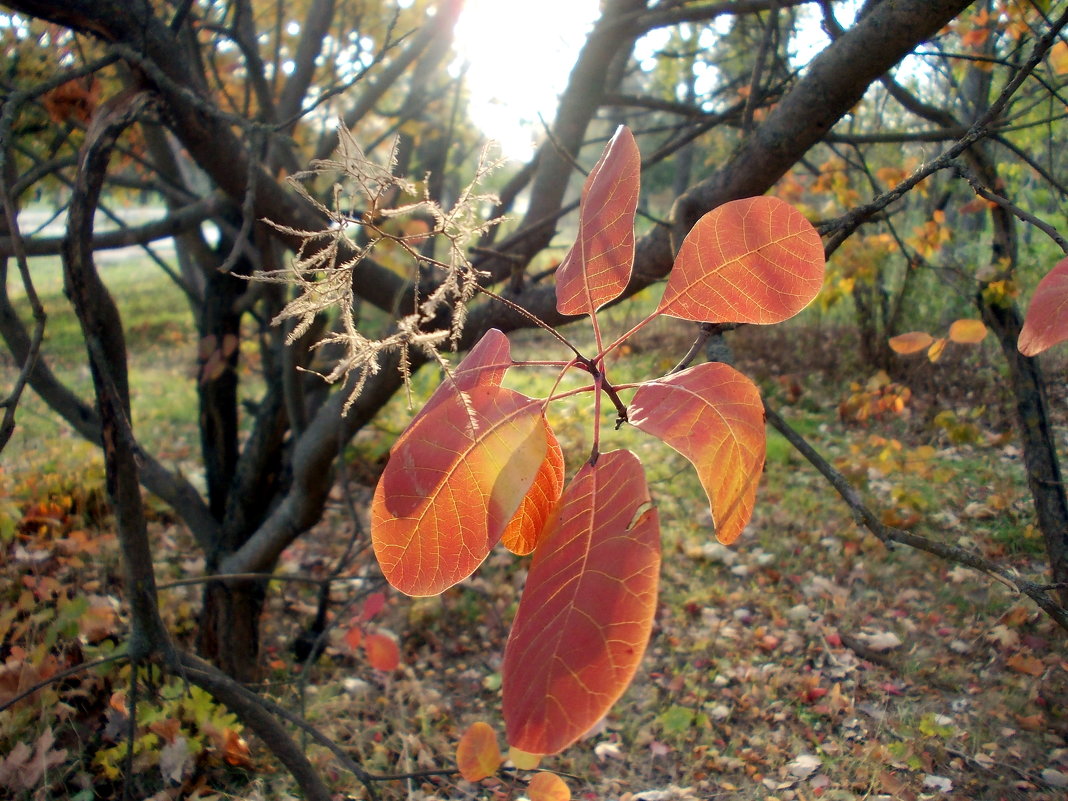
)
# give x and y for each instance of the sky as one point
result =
(516, 56)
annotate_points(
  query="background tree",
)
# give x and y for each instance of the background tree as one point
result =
(207, 107)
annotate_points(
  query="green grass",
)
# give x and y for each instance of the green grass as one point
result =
(162, 346)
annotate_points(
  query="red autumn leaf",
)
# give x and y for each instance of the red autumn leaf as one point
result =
(477, 754)
(587, 609)
(235, 750)
(521, 535)
(452, 485)
(483, 366)
(597, 268)
(382, 652)
(912, 342)
(548, 787)
(756, 260)
(1046, 321)
(372, 605)
(712, 415)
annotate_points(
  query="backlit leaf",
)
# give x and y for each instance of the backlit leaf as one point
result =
(1046, 322)
(712, 415)
(483, 366)
(382, 652)
(522, 759)
(477, 753)
(597, 268)
(912, 342)
(756, 260)
(587, 609)
(548, 787)
(521, 536)
(967, 332)
(452, 485)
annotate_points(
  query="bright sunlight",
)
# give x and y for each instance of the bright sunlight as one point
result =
(517, 56)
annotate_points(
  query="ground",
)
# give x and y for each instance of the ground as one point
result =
(806, 661)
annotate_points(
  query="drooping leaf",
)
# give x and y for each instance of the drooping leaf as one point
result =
(967, 331)
(934, 353)
(597, 268)
(756, 260)
(587, 609)
(452, 485)
(548, 787)
(382, 652)
(521, 535)
(1046, 321)
(712, 415)
(477, 754)
(483, 366)
(912, 342)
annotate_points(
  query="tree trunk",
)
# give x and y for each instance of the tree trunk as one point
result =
(229, 632)
(1040, 454)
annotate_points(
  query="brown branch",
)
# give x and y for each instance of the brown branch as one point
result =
(180, 221)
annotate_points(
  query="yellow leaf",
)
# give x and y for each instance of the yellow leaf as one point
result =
(912, 342)
(522, 759)
(967, 332)
(934, 353)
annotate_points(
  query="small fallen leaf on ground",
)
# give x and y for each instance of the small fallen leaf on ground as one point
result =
(804, 766)
(882, 641)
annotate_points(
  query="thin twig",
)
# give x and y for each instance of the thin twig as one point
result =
(889, 535)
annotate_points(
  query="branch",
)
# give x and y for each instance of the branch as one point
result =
(178, 222)
(887, 534)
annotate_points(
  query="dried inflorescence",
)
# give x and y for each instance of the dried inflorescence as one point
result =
(365, 201)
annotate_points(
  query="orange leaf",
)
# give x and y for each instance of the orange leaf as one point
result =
(1022, 663)
(477, 753)
(597, 268)
(521, 536)
(1058, 57)
(235, 749)
(353, 637)
(712, 415)
(548, 787)
(756, 260)
(483, 366)
(912, 342)
(382, 652)
(587, 609)
(1046, 322)
(452, 485)
(967, 332)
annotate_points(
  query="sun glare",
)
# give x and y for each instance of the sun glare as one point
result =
(516, 56)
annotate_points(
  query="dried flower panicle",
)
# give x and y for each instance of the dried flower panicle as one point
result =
(321, 272)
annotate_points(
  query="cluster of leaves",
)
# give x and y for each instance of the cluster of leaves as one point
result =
(60, 564)
(480, 464)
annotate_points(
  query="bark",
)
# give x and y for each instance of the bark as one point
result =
(106, 349)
